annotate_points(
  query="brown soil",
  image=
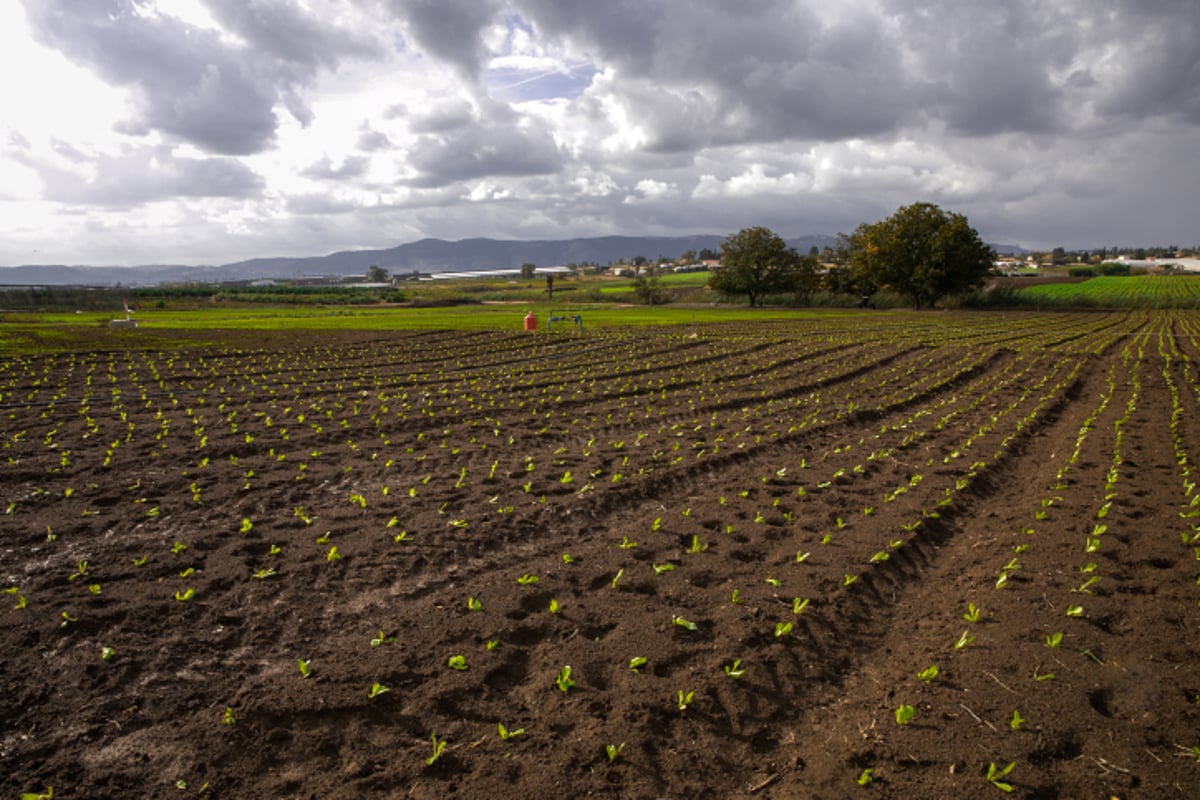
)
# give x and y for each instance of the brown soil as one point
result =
(182, 507)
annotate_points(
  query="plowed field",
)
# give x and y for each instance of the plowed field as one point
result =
(712, 561)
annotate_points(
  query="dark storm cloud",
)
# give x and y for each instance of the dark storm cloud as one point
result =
(449, 29)
(149, 174)
(506, 149)
(188, 82)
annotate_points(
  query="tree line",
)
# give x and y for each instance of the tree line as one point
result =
(920, 251)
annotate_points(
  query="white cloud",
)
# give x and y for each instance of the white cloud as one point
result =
(215, 130)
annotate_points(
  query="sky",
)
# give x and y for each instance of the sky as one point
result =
(210, 131)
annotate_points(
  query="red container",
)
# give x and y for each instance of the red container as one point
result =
(530, 322)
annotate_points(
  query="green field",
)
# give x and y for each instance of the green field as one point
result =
(1133, 291)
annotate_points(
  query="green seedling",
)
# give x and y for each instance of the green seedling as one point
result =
(474, 604)
(617, 577)
(333, 554)
(178, 548)
(1017, 720)
(141, 562)
(994, 775)
(735, 670)
(801, 557)
(563, 681)
(736, 597)
(772, 581)
(382, 639)
(185, 595)
(264, 573)
(929, 674)
(882, 555)
(1074, 611)
(567, 558)
(656, 525)
(799, 605)
(457, 662)
(697, 545)
(904, 714)
(1042, 676)
(305, 670)
(46, 795)
(613, 750)
(228, 717)
(107, 653)
(491, 644)
(67, 619)
(1086, 586)
(94, 588)
(376, 689)
(81, 569)
(637, 662)
(682, 700)
(783, 629)
(1054, 639)
(275, 550)
(626, 543)
(865, 777)
(972, 614)
(554, 606)
(659, 569)
(439, 747)
(506, 733)
(683, 623)
(527, 579)
(848, 579)
(247, 525)
(965, 639)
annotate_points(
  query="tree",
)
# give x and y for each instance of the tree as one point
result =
(377, 274)
(647, 289)
(756, 262)
(920, 251)
(527, 270)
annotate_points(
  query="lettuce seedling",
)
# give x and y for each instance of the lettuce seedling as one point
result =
(67, 619)
(735, 670)
(617, 577)
(506, 733)
(382, 639)
(1054, 639)
(563, 680)
(474, 604)
(1017, 720)
(904, 714)
(783, 629)
(929, 674)
(659, 569)
(1074, 611)
(994, 775)
(228, 718)
(637, 662)
(305, 670)
(799, 605)
(438, 748)
(965, 639)
(554, 606)
(626, 543)
(46, 795)
(185, 595)
(457, 662)
(865, 777)
(376, 689)
(972, 614)
(527, 579)
(107, 653)
(684, 700)
(613, 750)
(683, 623)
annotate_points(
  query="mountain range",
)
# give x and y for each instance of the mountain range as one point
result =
(426, 255)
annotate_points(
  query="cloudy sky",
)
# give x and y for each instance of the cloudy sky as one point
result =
(207, 131)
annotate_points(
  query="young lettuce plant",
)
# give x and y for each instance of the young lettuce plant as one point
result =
(563, 681)
(994, 775)
(904, 714)
(507, 733)
(439, 746)
(613, 750)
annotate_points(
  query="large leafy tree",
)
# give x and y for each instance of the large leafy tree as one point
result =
(920, 251)
(756, 262)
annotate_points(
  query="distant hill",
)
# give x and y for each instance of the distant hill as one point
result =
(426, 255)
